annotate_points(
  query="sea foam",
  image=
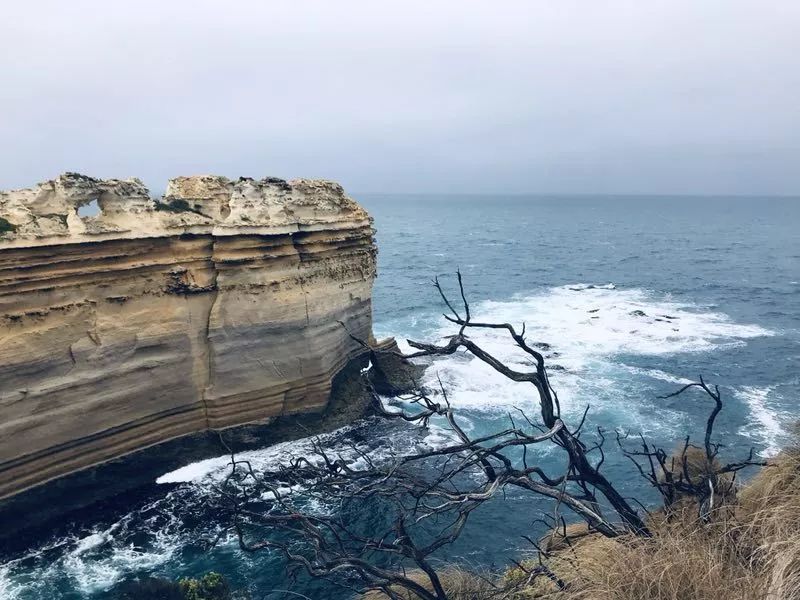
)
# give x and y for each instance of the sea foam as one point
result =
(584, 329)
(766, 427)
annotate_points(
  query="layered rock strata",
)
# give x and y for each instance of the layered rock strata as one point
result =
(221, 304)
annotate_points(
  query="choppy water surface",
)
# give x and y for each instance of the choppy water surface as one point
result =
(634, 295)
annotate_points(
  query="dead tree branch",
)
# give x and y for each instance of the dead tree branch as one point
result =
(424, 498)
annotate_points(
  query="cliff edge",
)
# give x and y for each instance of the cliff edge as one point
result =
(221, 304)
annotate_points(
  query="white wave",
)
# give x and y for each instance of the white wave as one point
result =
(9, 589)
(658, 374)
(603, 321)
(92, 541)
(264, 459)
(96, 573)
(91, 563)
(584, 329)
(393, 442)
(770, 431)
(194, 471)
(439, 437)
(402, 345)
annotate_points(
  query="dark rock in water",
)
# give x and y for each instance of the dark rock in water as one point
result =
(559, 368)
(591, 286)
(637, 313)
(391, 374)
(542, 345)
(594, 310)
(668, 317)
(211, 586)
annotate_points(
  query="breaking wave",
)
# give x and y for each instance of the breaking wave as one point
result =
(585, 332)
(766, 426)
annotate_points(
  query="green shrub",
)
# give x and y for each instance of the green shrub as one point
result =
(211, 586)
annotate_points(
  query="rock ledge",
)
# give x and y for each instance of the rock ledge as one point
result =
(49, 212)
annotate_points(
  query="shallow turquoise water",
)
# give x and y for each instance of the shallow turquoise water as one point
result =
(718, 281)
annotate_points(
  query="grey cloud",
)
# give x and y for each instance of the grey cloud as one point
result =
(514, 96)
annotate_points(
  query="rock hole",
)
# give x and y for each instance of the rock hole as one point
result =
(92, 209)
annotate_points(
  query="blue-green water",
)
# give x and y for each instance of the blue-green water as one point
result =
(717, 281)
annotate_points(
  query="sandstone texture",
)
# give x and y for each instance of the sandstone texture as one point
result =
(221, 304)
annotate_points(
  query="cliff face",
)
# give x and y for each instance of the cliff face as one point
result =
(223, 303)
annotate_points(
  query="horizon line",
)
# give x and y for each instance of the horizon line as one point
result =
(584, 194)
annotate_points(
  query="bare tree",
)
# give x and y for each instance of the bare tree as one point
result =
(692, 472)
(422, 500)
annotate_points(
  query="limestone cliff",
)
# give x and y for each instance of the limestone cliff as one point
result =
(222, 303)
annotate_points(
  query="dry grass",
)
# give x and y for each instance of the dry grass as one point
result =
(749, 551)
(769, 513)
(563, 538)
(459, 584)
(685, 560)
(680, 562)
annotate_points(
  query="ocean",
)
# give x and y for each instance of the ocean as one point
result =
(635, 295)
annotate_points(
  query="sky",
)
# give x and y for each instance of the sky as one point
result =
(447, 96)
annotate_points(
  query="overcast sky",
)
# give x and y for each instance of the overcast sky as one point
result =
(674, 96)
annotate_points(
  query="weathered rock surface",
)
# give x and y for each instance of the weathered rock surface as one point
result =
(224, 303)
